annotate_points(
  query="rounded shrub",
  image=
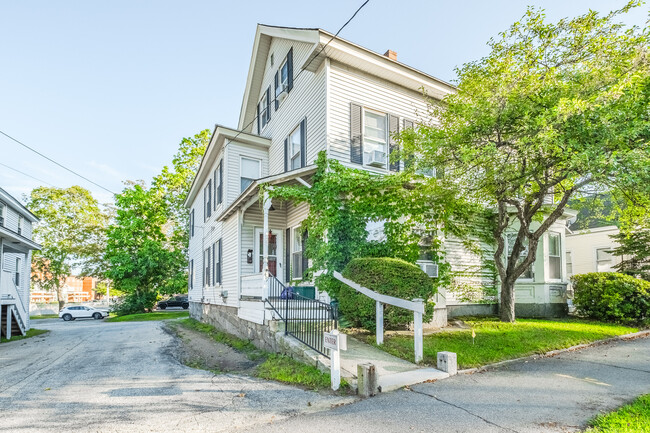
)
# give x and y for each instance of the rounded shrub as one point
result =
(387, 276)
(613, 297)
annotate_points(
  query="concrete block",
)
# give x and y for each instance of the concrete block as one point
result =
(447, 361)
(366, 380)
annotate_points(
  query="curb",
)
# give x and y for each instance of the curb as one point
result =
(552, 353)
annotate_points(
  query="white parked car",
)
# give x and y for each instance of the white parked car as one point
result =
(82, 312)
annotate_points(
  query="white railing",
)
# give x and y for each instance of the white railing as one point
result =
(9, 292)
(252, 285)
(416, 305)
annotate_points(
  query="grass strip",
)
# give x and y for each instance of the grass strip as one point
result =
(280, 368)
(31, 333)
(44, 316)
(498, 341)
(145, 317)
(634, 417)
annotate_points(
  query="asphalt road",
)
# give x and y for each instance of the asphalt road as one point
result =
(95, 376)
(559, 394)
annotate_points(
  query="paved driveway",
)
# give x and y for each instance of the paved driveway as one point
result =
(89, 375)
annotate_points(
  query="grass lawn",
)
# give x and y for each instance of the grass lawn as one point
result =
(44, 316)
(497, 341)
(144, 317)
(634, 417)
(272, 366)
(31, 333)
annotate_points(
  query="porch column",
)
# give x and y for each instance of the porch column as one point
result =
(265, 243)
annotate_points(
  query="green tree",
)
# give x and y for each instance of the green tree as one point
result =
(71, 231)
(555, 110)
(634, 243)
(146, 251)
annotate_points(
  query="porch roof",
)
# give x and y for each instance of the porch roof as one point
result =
(15, 242)
(289, 178)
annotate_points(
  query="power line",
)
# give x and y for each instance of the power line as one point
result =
(28, 175)
(53, 161)
(306, 66)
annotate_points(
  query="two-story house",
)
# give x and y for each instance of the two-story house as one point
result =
(16, 247)
(307, 91)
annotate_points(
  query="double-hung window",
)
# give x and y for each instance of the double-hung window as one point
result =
(250, 171)
(216, 254)
(603, 260)
(191, 274)
(20, 224)
(19, 265)
(554, 258)
(206, 266)
(295, 147)
(569, 264)
(264, 109)
(283, 77)
(2, 214)
(296, 255)
(375, 139)
(207, 196)
(510, 239)
(192, 223)
(218, 189)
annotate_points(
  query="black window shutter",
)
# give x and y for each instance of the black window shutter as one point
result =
(303, 142)
(277, 85)
(408, 160)
(286, 154)
(214, 263)
(205, 212)
(191, 273)
(220, 266)
(305, 260)
(287, 254)
(356, 143)
(259, 121)
(220, 189)
(268, 103)
(393, 128)
(290, 70)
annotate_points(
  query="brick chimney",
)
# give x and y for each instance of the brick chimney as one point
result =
(391, 54)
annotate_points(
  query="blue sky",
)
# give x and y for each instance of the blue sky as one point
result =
(110, 88)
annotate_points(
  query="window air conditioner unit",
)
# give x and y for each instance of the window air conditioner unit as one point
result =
(281, 92)
(430, 268)
(377, 158)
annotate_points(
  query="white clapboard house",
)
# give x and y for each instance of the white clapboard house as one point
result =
(16, 247)
(300, 100)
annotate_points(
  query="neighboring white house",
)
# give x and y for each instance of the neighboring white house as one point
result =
(589, 250)
(301, 99)
(16, 247)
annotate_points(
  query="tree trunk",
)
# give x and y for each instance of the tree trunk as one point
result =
(507, 307)
(59, 297)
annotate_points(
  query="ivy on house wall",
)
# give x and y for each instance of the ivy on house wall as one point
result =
(416, 212)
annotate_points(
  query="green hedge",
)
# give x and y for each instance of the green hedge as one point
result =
(387, 276)
(612, 297)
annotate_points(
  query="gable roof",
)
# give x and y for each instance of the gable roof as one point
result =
(17, 206)
(337, 49)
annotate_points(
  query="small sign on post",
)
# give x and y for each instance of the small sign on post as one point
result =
(335, 342)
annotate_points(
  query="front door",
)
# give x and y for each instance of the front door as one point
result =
(275, 252)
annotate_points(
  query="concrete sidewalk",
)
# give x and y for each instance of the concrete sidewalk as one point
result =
(556, 394)
(392, 372)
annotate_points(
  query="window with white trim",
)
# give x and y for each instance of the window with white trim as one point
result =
(295, 146)
(265, 112)
(2, 214)
(206, 266)
(19, 265)
(510, 239)
(207, 197)
(603, 260)
(20, 224)
(191, 274)
(569, 264)
(284, 77)
(250, 171)
(375, 139)
(554, 257)
(296, 254)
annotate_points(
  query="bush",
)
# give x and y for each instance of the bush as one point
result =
(387, 276)
(134, 303)
(613, 297)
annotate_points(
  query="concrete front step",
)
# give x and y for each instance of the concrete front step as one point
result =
(391, 382)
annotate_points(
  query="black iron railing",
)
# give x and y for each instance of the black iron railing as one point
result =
(304, 318)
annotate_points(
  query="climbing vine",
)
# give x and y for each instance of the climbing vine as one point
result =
(415, 212)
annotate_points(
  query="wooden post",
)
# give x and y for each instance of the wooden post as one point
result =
(379, 319)
(265, 244)
(417, 331)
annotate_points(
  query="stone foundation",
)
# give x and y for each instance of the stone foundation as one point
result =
(472, 310)
(541, 310)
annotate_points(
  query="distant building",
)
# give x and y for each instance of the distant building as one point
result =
(16, 248)
(75, 289)
(589, 250)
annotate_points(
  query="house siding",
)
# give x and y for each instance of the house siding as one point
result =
(307, 100)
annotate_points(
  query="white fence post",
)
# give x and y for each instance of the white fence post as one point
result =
(379, 319)
(417, 331)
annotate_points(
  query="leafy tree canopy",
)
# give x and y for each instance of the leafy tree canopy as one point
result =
(556, 109)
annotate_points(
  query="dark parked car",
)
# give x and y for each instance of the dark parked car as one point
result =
(175, 301)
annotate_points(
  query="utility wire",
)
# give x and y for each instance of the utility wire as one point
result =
(53, 161)
(28, 175)
(307, 65)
